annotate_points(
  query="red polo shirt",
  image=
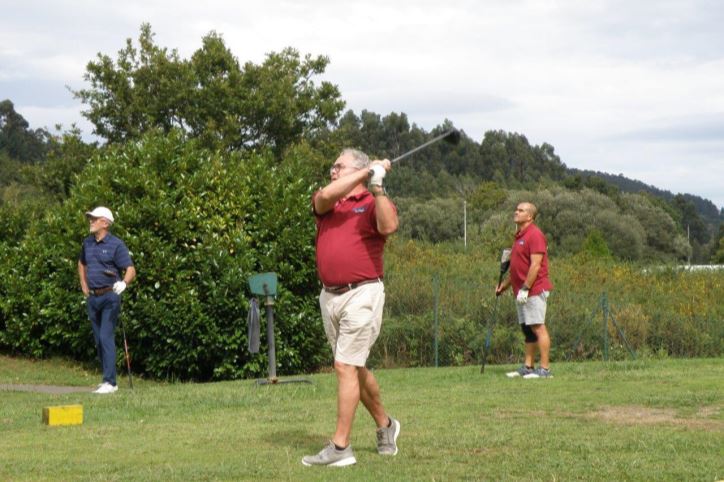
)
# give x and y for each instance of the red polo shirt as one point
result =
(530, 240)
(349, 247)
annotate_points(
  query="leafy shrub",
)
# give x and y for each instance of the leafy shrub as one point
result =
(198, 224)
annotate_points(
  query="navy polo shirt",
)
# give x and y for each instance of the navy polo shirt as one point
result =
(104, 259)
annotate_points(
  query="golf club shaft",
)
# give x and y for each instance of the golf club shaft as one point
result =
(431, 141)
(489, 335)
(128, 357)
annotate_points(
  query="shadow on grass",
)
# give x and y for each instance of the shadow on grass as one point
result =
(297, 438)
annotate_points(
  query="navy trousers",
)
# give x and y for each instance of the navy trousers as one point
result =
(103, 314)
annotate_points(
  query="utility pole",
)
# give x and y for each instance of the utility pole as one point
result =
(463, 194)
(465, 223)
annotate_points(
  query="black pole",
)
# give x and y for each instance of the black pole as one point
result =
(128, 356)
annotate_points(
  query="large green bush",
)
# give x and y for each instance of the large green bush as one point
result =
(198, 225)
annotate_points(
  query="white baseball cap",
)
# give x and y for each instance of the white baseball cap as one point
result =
(100, 212)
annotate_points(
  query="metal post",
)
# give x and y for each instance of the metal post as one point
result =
(465, 223)
(604, 307)
(270, 336)
(623, 337)
(266, 284)
(436, 296)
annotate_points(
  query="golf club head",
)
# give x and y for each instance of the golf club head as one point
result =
(505, 260)
(453, 137)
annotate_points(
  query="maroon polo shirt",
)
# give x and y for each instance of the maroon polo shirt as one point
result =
(530, 240)
(349, 247)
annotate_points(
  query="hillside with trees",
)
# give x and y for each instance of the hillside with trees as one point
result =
(489, 176)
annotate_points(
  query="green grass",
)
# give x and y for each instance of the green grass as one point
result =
(643, 420)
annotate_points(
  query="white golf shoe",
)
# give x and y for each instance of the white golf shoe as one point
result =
(106, 388)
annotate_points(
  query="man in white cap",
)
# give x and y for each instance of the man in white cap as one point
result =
(105, 269)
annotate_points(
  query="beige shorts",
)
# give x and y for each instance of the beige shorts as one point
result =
(533, 312)
(352, 321)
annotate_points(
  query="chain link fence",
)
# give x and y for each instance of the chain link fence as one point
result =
(435, 316)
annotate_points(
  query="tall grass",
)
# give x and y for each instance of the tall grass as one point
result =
(662, 311)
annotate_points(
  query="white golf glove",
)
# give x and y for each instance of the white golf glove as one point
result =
(522, 297)
(378, 174)
(119, 287)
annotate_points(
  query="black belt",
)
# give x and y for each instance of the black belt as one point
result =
(338, 290)
(100, 291)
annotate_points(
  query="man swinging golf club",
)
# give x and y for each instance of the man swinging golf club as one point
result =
(531, 286)
(352, 225)
(103, 257)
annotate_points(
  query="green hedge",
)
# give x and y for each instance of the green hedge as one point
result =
(198, 224)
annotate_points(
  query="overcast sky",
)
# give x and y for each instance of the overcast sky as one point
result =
(630, 87)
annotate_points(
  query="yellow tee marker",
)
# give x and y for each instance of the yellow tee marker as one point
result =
(63, 415)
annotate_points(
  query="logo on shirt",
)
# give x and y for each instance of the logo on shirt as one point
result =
(521, 242)
(359, 210)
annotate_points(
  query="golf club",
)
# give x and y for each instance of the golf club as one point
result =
(128, 356)
(451, 136)
(504, 265)
(123, 330)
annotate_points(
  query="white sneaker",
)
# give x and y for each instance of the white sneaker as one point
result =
(106, 388)
(331, 457)
(539, 373)
(523, 371)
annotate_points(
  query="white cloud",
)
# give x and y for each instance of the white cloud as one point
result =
(599, 80)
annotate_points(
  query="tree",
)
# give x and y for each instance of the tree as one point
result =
(661, 231)
(718, 256)
(595, 245)
(210, 97)
(17, 140)
(487, 196)
(67, 155)
(691, 220)
(434, 221)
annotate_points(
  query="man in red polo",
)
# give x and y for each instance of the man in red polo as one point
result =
(531, 286)
(353, 223)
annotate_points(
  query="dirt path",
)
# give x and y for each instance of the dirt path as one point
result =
(53, 389)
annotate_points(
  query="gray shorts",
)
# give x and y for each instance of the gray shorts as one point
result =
(533, 312)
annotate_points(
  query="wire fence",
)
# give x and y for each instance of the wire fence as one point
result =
(439, 317)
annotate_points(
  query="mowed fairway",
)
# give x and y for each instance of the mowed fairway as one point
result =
(640, 420)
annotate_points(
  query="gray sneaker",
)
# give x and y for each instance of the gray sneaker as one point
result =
(523, 371)
(539, 373)
(387, 438)
(331, 457)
